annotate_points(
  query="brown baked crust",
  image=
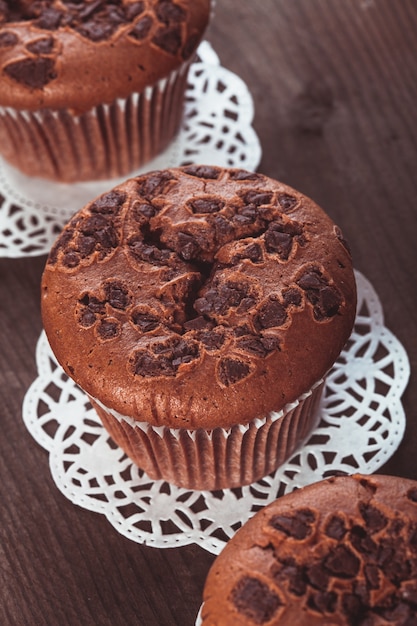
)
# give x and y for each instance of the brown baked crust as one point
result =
(339, 552)
(198, 297)
(56, 54)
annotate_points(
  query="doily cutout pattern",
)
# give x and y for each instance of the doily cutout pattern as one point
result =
(362, 424)
(216, 130)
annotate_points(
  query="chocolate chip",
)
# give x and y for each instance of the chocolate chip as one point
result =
(145, 321)
(96, 30)
(197, 323)
(168, 12)
(148, 253)
(168, 38)
(353, 607)
(287, 202)
(253, 345)
(221, 298)
(297, 526)
(94, 304)
(412, 494)
(108, 329)
(232, 371)
(8, 38)
(323, 601)
(141, 29)
(184, 352)
(342, 562)
(117, 295)
(142, 211)
(189, 246)
(109, 203)
(202, 171)
(271, 314)
(254, 599)
(223, 227)
(326, 299)
(34, 73)
(375, 520)
(206, 205)
(41, 46)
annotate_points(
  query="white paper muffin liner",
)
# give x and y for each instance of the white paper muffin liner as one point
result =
(219, 458)
(108, 141)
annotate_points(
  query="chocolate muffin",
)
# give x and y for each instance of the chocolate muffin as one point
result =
(341, 552)
(200, 308)
(93, 89)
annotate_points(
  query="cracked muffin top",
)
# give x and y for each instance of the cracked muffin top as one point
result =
(198, 297)
(341, 552)
(78, 54)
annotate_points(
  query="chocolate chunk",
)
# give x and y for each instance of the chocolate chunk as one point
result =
(109, 203)
(278, 242)
(146, 364)
(154, 184)
(41, 46)
(34, 73)
(221, 298)
(353, 607)
(198, 323)
(232, 371)
(206, 205)
(371, 572)
(8, 38)
(168, 38)
(251, 251)
(146, 321)
(254, 599)
(375, 520)
(223, 227)
(134, 9)
(141, 29)
(323, 601)
(148, 253)
(335, 528)
(71, 259)
(142, 211)
(93, 304)
(291, 297)
(212, 340)
(312, 280)
(184, 352)
(168, 12)
(117, 295)
(361, 540)
(257, 197)
(287, 202)
(326, 299)
(87, 318)
(99, 227)
(342, 562)
(412, 495)
(96, 30)
(294, 575)
(297, 526)
(108, 329)
(271, 314)
(202, 171)
(317, 576)
(189, 246)
(49, 19)
(244, 175)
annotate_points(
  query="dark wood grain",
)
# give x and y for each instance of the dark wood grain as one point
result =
(335, 85)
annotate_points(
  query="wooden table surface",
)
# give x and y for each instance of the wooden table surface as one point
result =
(335, 89)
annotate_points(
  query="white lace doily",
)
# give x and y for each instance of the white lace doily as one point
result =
(216, 130)
(362, 425)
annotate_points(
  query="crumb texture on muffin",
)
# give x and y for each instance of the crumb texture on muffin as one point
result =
(198, 296)
(342, 552)
(60, 53)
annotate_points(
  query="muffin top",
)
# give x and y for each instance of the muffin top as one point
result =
(341, 552)
(198, 296)
(78, 54)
